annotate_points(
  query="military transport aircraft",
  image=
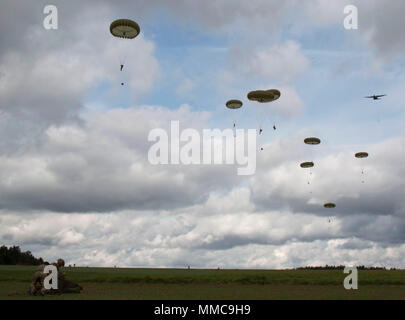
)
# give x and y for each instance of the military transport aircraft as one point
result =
(376, 97)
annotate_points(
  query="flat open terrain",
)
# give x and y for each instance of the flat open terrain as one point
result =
(123, 283)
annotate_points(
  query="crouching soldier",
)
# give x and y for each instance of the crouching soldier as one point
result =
(37, 283)
(64, 285)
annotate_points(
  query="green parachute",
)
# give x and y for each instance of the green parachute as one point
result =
(234, 104)
(308, 164)
(312, 141)
(264, 95)
(124, 28)
(361, 155)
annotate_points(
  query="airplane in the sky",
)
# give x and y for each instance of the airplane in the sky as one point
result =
(376, 97)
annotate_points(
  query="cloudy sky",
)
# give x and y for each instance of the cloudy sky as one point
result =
(75, 177)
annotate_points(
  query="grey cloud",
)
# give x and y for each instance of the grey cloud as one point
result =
(356, 244)
(89, 169)
(383, 25)
(161, 239)
(371, 211)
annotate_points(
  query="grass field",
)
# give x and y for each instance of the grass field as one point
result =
(122, 283)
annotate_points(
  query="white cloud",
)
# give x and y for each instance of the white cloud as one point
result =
(185, 87)
(280, 62)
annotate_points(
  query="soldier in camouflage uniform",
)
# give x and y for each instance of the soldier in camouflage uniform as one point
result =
(64, 285)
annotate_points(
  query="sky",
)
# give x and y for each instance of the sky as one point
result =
(75, 180)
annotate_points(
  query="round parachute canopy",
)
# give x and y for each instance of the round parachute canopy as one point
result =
(329, 205)
(124, 28)
(307, 165)
(234, 104)
(264, 95)
(312, 140)
(361, 155)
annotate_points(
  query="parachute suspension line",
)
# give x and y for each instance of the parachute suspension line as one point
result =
(234, 122)
(259, 137)
(310, 180)
(122, 56)
(122, 59)
(261, 117)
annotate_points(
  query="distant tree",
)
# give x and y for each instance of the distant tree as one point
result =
(14, 255)
(327, 267)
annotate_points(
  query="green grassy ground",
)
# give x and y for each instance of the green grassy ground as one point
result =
(110, 283)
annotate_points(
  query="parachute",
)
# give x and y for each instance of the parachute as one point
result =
(312, 141)
(124, 28)
(264, 95)
(307, 165)
(234, 105)
(361, 155)
(329, 205)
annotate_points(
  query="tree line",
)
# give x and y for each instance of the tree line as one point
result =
(339, 268)
(14, 256)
